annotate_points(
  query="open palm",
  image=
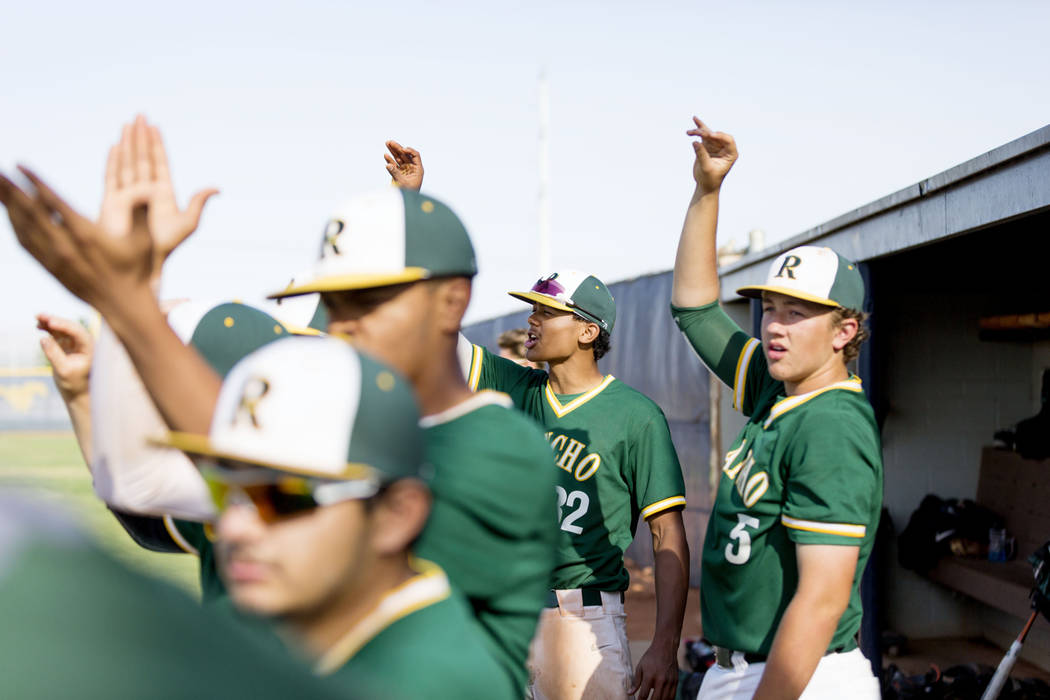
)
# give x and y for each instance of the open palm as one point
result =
(136, 174)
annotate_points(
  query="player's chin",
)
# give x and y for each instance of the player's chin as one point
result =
(259, 600)
(780, 370)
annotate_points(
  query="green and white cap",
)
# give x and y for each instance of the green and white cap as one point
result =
(314, 407)
(576, 292)
(385, 237)
(813, 273)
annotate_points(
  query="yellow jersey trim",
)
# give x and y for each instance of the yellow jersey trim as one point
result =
(428, 587)
(477, 357)
(660, 506)
(784, 405)
(843, 529)
(176, 536)
(560, 410)
(740, 377)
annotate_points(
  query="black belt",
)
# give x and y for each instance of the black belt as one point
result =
(724, 656)
(591, 596)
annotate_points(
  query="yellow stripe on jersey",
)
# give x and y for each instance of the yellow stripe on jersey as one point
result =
(476, 357)
(428, 587)
(741, 372)
(660, 506)
(560, 410)
(784, 405)
(176, 536)
(844, 529)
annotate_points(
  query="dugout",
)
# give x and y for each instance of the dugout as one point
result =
(965, 245)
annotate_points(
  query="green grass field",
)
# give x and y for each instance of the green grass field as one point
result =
(48, 466)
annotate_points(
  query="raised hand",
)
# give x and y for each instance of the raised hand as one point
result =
(405, 165)
(136, 171)
(69, 348)
(90, 262)
(715, 155)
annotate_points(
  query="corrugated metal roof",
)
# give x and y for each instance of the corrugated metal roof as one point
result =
(1007, 182)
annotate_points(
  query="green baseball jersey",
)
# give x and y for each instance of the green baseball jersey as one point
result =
(489, 525)
(420, 641)
(806, 469)
(614, 462)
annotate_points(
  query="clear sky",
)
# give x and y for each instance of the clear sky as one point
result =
(285, 107)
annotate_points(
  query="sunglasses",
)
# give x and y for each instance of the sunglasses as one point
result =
(276, 495)
(551, 287)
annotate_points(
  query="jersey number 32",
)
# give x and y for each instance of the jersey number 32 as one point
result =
(574, 499)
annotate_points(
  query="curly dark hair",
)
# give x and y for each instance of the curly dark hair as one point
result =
(852, 349)
(601, 344)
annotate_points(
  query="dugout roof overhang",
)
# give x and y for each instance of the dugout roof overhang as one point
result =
(1006, 183)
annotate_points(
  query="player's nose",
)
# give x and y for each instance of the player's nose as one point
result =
(239, 523)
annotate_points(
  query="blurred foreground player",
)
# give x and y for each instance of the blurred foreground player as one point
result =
(798, 504)
(315, 463)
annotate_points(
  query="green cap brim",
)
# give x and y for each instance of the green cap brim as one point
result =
(342, 283)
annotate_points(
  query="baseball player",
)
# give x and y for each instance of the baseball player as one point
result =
(615, 463)
(395, 277)
(315, 461)
(798, 503)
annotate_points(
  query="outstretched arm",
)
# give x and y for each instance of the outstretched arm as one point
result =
(696, 264)
(114, 270)
(405, 165)
(657, 670)
(69, 348)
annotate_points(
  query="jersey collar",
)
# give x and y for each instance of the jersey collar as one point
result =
(485, 397)
(560, 410)
(429, 586)
(784, 405)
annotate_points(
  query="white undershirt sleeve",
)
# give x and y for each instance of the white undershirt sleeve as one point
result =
(129, 473)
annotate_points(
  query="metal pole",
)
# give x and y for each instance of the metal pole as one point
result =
(543, 204)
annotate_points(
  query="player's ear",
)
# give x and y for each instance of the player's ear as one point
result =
(398, 516)
(588, 332)
(845, 329)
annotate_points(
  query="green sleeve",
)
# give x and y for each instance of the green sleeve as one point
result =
(658, 475)
(197, 538)
(833, 485)
(489, 371)
(735, 357)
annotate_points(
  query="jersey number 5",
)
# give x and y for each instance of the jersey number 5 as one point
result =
(742, 538)
(575, 498)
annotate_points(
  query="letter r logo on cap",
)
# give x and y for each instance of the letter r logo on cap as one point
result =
(788, 268)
